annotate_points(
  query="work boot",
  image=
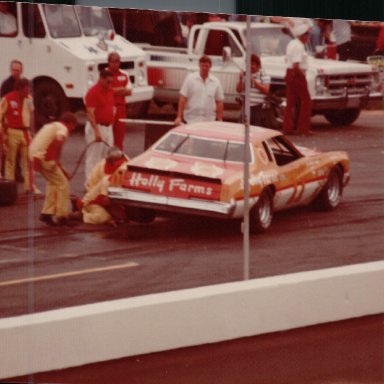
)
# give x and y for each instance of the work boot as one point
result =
(47, 219)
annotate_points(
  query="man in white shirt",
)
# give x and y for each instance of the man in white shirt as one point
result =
(299, 102)
(201, 96)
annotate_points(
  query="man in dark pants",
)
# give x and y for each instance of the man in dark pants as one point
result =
(8, 85)
(299, 102)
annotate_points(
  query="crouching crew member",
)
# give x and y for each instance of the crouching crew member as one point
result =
(44, 152)
(95, 206)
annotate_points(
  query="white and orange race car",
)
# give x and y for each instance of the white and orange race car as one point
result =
(199, 169)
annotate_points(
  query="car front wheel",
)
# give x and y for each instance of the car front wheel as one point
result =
(330, 196)
(261, 214)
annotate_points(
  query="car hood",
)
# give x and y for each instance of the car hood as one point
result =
(323, 66)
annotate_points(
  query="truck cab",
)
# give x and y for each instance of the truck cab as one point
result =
(62, 49)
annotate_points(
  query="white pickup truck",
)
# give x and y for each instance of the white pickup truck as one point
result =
(62, 49)
(339, 90)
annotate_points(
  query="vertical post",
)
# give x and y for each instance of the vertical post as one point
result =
(246, 149)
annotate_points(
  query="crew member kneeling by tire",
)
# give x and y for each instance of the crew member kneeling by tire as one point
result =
(94, 207)
(44, 152)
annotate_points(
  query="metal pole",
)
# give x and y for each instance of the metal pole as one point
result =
(246, 149)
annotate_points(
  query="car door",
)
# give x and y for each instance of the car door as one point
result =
(296, 182)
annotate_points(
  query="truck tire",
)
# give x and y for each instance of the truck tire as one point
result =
(342, 117)
(140, 215)
(50, 102)
(8, 192)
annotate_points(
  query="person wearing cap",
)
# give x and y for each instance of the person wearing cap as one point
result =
(299, 102)
(94, 207)
(44, 153)
(201, 96)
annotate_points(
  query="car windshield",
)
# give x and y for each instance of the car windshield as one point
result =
(61, 21)
(201, 147)
(94, 20)
(270, 41)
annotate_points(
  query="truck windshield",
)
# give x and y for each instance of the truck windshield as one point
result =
(61, 21)
(270, 41)
(94, 20)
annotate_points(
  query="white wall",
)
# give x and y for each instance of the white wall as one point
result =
(98, 332)
(219, 6)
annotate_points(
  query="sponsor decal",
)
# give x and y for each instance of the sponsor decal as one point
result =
(209, 170)
(159, 163)
(171, 186)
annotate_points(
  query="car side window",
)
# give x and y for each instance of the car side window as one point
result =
(282, 151)
(32, 22)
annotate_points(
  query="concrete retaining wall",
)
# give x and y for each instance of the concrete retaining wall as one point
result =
(110, 330)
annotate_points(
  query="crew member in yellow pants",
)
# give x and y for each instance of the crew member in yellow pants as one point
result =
(15, 119)
(44, 151)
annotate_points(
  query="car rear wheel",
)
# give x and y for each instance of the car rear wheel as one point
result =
(140, 215)
(330, 196)
(261, 214)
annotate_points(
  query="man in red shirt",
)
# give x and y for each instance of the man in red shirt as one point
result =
(100, 105)
(16, 109)
(121, 89)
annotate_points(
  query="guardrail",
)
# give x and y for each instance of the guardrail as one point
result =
(110, 330)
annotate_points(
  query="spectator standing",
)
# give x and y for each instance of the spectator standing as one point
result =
(121, 88)
(16, 110)
(201, 96)
(44, 152)
(260, 84)
(298, 98)
(7, 86)
(100, 105)
(342, 34)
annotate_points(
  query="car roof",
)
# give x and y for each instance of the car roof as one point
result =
(226, 131)
(243, 25)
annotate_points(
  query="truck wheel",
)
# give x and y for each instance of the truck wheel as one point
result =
(137, 110)
(261, 214)
(8, 192)
(50, 102)
(342, 117)
(330, 196)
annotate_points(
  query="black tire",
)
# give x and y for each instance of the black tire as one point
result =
(330, 196)
(343, 116)
(140, 215)
(8, 192)
(261, 214)
(50, 102)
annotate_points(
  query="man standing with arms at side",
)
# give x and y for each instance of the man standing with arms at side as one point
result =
(100, 105)
(7, 86)
(201, 96)
(299, 102)
(121, 89)
(44, 152)
(16, 110)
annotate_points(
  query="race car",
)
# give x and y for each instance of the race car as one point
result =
(199, 169)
